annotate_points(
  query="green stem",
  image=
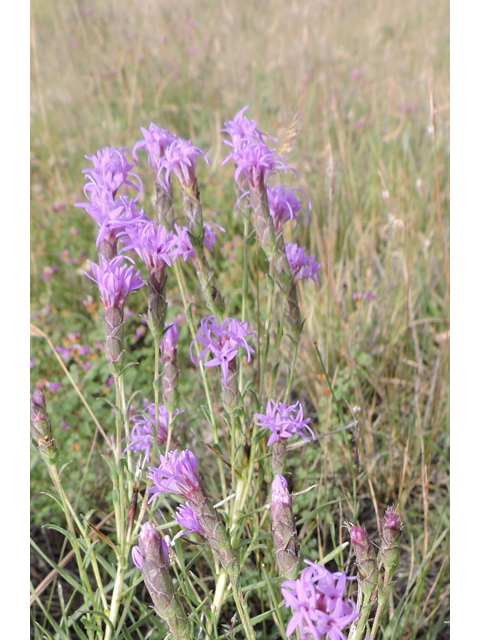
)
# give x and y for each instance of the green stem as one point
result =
(242, 610)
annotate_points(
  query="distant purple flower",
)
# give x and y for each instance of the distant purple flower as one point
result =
(141, 437)
(32, 363)
(181, 158)
(65, 353)
(317, 600)
(115, 280)
(256, 161)
(111, 170)
(222, 340)
(243, 131)
(178, 473)
(53, 386)
(152, 243)
(186, 517)
(47, 273)
(65, 425)
(364, 296)
(155, 142)
(302, 266)
(282, 421)
(284, 205)
(184, 246)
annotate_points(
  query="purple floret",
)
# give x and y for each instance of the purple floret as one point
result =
(256, 161)
(184, 246)
(115, 280)
(282, 421)
(284, 205)
(222, 340)
(152, 242)
(187, 518)
(242, 131)
(155, 142)
(302, 266)
(181, 158)
(317, 598)
(141, 437)
(111, 170)
(178, 473)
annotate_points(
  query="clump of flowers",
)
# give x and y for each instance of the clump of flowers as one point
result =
(141, 436)
(284, 421)
(284, 205)
(317, 598)
(302, 266)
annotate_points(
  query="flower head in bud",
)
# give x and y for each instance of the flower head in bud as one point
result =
(41, 428)
(177, 473)
(284, 532)
(223, 340)
(152, 243)
(184, 245)
(170, 340)
(181, 158)
(111, 170)
(302, 266)
(141, 437)
(187, 518)
(256, 161)
(115, 280)
(242, 131)
(282, 421)
(150, 538)
(284, 205)
(155, 142)
(317, 598)
(366, 560)
(392, 528)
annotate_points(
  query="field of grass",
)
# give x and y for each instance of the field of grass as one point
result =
(369, 82)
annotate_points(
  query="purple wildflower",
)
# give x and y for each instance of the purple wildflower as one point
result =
(364, 296)
(284, 533)
(242, 131)
(141, 437)
(319, 608)
(115, 280)
(32, 362)
(282, 421)
(186, 517)
(47, 273)
(137, 554)
(184, 245)
(155, 143)
(223, 340)
(152, 243)
(170, 340)
(111, 170)
(256, 161)
(284, 205)
(178, 473)
(302, 266)
(53, 386)
(181, 158)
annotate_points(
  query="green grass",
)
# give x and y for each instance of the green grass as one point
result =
(362, 76)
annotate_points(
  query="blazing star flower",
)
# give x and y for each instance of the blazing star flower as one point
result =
(111, 170)
(115, 280)
(155, 142)
(284, 205)
(282, 421)
(302, 266)
(184, 246)
(137, 554)
(319, 608)
(153, 244)
(243, 131)
(178, 473)
(141, 437)
(223, 341)
(186, 517)
(181, 158)
(256, 161)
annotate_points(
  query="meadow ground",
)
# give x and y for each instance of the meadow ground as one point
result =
(369, 81)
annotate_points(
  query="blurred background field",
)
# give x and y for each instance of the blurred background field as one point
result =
(369, 81)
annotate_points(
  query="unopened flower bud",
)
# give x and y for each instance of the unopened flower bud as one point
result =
(152, 560)
(366, 560)
(41, 428)
(284, 532)
(392, 529)
(169, 367)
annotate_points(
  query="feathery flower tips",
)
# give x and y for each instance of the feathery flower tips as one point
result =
(302, 266)
(41, 428)
(187, 518)
(317, 598)
(242, 131)
(366, 561)
(284, 533)
(115, 282)
(223, 340)
(284, 205)
(111, 170)
(169, 366)
(141, 437)
(178, 473)
(152, 560)
(283, 423)
(392, 528)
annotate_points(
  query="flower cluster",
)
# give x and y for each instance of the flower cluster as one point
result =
(317, 598)
(284, 205)
(256, 162)
(282, 421)
(302, 266)
(177, 473)
(184, 245)
(152, 243)
(141, 437)
(187, 518)
(115, 281)
(181, 158)
(111, 170)
(242, 131)
(223, 340)
(155, 143)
